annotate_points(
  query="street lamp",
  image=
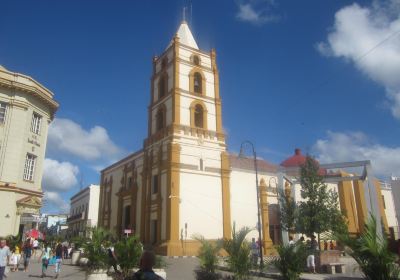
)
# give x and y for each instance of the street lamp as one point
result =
(241, 155)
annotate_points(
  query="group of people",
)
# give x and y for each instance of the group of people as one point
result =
(30, 248)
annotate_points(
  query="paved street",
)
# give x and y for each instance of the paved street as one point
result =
(177, 269)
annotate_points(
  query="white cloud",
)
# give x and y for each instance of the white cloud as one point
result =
(60, 176)
(257, 11)
(55, 203)
(369, 37)
(354, 146)
(66, 136)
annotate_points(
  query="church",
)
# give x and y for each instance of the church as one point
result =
(183, 182)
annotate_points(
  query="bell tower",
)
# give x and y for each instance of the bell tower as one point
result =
(186, 166)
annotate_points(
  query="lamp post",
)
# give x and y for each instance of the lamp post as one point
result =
(241, 154)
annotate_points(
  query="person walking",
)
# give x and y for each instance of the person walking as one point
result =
(312, 248)
(27, 252)
(45, 259)
(5, 254)
(254, 251)
(59, 256)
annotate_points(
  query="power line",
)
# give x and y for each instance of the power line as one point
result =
(326, 81)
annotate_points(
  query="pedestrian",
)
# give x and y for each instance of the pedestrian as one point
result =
(59, 255)
(331, 246)
(255, 250)
(146, 272)
(27, 252)
(112, 257)
(5, 255)
(65, 251)
(312, 248)
(45, 259)
(35, 245)
(15, 257)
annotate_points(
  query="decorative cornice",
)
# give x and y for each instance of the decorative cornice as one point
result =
(27, 84)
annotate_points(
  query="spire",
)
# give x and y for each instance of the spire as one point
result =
(186, 36)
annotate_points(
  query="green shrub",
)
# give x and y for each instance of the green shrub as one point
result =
(128, 251)
(95, 249)
(238, 250)
(208, 253)
(371, 252)
(291, 260)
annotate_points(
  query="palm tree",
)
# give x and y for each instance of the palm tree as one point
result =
(238, 250)
(208, 258)
(371, 252)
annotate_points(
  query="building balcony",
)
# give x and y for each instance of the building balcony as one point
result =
(76, 218)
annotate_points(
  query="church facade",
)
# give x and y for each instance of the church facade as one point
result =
(183, 182)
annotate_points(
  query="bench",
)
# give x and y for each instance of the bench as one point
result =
(333, 268)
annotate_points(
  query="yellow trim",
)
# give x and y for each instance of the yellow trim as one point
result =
(348, 204)
(380, 204)
(362, 209)
(203, 81)
(173, 193)
(192, 111)
(176, 103)
(226, 203)
(267, 242)
(218, 109)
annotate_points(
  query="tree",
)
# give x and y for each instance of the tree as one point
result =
(319, 212)
(288, 212)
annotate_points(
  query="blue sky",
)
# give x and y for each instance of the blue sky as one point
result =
(319, 75)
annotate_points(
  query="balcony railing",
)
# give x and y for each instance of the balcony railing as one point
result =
(77, 217)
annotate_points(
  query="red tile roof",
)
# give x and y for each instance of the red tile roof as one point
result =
(247, 163)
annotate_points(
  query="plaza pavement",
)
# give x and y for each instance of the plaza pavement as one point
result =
(177, 269)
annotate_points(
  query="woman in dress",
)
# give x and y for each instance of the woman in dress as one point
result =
(45, 259)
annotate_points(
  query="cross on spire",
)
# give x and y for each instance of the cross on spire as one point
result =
(184, 14)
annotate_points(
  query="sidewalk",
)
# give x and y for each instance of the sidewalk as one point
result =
(35, 271)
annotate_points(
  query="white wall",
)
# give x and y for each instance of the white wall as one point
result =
(200, 205)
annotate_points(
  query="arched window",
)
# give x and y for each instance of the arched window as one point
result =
(197, 82)
(164, 63)
(162, 87)
(198, 116)
(160, 120)
(196, 60)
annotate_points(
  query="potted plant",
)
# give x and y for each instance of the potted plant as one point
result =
(78, 242)
(97, 255)
(128, 251)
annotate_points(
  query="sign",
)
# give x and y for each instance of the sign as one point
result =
(127, 231)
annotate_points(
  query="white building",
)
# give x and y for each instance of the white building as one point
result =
(84, 210)
(53, 224)
(183, 181)
(26, 110)
(395, 191)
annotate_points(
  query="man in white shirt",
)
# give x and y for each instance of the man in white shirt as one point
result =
(4, 257)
